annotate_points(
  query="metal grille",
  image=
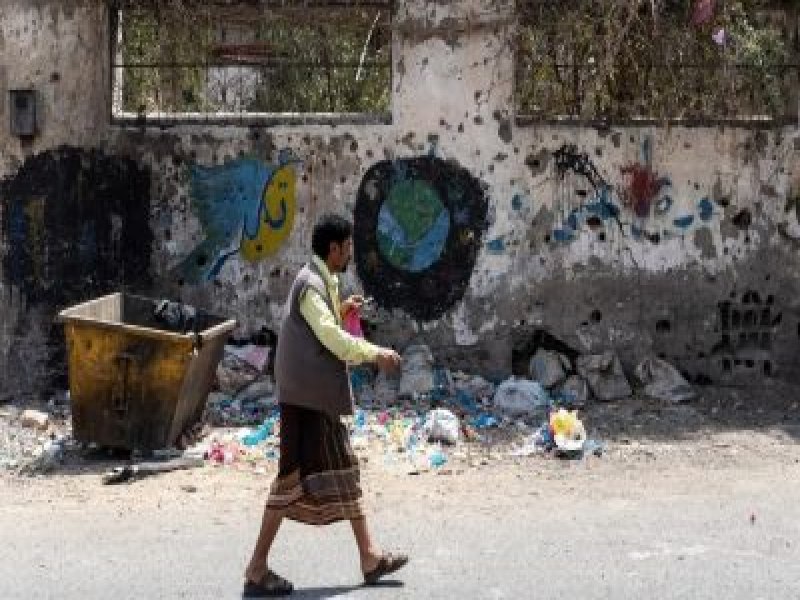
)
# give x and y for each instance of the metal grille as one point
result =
(216, 61)
(588, 60)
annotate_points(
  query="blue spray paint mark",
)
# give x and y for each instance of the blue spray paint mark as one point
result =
(600, 207)
(684, 222)
(497, 245)
(663, 205)
(572, 220)
(562, 235)
(706, 209)
(647, 151)
(516, 202)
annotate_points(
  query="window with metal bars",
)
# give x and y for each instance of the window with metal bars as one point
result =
(250, 60)
(701, 61)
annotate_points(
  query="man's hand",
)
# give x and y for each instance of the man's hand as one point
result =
(388, 359)
(352, 302)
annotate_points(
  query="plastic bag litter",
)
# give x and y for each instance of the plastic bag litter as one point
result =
(573, 392)
(605, 376)
(662, 381)
(441, 425)
(522, 397)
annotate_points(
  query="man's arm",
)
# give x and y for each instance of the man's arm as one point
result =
(344, 346)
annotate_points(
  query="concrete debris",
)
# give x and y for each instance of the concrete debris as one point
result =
(664, 382)
(234, 374)
(548, 368)
(35, 419)
(241, 365)
(255, 356)
(605, 376)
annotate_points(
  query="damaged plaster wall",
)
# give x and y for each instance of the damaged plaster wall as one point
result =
(474, 233)
(57, 225)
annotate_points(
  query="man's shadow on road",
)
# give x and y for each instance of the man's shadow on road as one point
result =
(340, 590)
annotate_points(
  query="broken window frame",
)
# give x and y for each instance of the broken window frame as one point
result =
(249, 59)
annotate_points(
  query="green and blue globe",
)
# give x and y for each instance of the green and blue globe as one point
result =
(413, 226)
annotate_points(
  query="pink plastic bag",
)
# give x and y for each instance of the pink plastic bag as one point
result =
(352, 323)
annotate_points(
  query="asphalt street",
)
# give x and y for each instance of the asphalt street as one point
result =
(729, 534)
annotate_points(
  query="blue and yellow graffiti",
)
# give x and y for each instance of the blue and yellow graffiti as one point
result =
(245, 207)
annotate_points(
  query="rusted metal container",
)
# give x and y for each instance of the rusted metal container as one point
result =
(133, 383)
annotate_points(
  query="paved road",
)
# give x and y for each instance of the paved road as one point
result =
(581, 534)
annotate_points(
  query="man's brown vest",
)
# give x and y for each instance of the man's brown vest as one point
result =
(307, 373)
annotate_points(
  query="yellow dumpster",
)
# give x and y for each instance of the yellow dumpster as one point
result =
(134, 383)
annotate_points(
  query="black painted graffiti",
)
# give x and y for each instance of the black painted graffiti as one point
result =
(418, 229)
(747, 326)
(76, 224)
(568, 158)
(594, 209)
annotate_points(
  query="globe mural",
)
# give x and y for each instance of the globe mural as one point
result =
(412, 226)
(418, 229)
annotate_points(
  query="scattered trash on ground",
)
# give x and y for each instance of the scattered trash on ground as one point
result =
(128, 473)
(426, 418)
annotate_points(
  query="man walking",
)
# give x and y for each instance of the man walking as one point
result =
(318, 480)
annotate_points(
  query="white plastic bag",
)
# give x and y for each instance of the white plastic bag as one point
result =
(441, 425)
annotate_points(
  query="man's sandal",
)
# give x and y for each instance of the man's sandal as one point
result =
(388, 564)
(271, 585)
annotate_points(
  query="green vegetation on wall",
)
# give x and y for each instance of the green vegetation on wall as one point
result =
(179, 56)
(672, 59)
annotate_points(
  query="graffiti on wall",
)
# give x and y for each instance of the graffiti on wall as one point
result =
(418, 229)
(643, 185)
(644, 194)
(76, 225)
(245, 207)
(747, 324)
(597, 205)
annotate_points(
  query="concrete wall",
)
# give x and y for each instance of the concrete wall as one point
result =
(676, 241)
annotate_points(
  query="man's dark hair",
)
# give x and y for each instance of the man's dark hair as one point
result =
(330, 228)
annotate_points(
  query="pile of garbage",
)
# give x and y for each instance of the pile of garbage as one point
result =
(427, 415)
(423, 418)
(32, 440)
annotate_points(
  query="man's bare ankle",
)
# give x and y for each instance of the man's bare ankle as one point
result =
(370, 561)
(255, 574)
